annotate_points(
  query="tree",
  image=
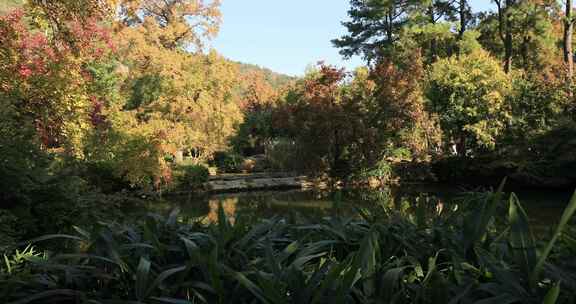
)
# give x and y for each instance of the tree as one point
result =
(375, 26)
(46, 79)
(465, 14)
(522, 33)
(567, 45)
(257, 104)
(396, 111)
(184, 23)
(314, 117)
(468, 93)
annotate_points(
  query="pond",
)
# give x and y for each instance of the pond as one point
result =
(543, 207)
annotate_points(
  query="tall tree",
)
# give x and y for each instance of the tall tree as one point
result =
(505, 30)
(568, 30)
(523, 34)
(505, 23)
(374, 26)
(465, 15)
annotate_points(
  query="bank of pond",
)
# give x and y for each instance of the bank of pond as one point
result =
(428, 245)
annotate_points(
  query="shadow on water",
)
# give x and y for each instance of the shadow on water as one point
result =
(543, 207)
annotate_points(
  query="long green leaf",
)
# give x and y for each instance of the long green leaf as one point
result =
(162, 277)
(253, 288)
(521, 238)
(564, 220)
(552, 295)
(44, 296)
(170, 300)
(142, 274)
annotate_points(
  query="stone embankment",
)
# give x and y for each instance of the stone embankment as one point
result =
(256, 181)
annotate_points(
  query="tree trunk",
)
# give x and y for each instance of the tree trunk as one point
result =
(461, 145)
(508, 38)
(433, 43)
(568, 29)
(389, 30)
(463, 19)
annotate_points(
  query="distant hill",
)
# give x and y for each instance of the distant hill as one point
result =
(7, 5)
(276, 80)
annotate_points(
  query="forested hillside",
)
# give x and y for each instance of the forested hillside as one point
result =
(276, 80)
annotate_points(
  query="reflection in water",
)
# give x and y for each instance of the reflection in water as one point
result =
(544, 208)
(228, 204)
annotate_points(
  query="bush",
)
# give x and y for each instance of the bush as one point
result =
(401, 153)
(282, 155)
(228, 162)
(103, 176)
(9, 232)
(192, 176)
(382, 171)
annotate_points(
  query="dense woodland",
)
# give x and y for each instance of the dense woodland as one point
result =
(103, 102)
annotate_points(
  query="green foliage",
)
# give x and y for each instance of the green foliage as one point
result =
(383, 171)
(420, 253)
(9, 232)
(145, 90)
(228, 162)
(191, 176)
(103, 176)
(283, 155)
(401, 153)
(15, 264)
(254, 132)
(532, 27)
(469, 95)
(374, 26)
(538, 103)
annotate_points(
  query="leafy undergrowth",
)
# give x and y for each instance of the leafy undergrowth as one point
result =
(448, 253)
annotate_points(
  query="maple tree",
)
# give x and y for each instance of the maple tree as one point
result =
(46, 80)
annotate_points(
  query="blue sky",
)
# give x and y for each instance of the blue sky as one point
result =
(287, 36)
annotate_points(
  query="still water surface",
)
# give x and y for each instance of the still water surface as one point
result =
(543, 207)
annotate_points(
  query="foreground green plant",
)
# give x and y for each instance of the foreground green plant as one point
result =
(455, 253)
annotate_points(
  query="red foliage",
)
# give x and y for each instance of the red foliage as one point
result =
(98, 119)
(326, 85)
(42, 70)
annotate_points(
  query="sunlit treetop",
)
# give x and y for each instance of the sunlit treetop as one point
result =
(185, 23)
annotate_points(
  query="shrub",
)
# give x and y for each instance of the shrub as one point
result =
(9, 232)
(103, 176)
(192, 176)
(228, 162)
(382, 171)
(401, 153)
(282, 154)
